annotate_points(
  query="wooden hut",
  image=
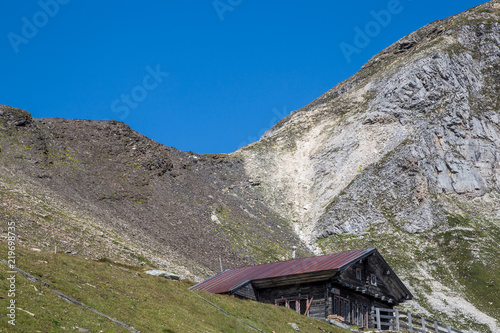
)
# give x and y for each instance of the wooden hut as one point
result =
(349, 285)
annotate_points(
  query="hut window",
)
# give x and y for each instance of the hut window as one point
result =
(373, 279)
(281, 302)
(303, 303)
(358, 273)
(341, 307)
(299, 304)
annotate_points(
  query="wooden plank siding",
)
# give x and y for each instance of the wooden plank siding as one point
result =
(316, 290)
(246, 291)
(318, 309)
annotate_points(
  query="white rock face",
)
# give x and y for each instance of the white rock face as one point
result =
(431, 117)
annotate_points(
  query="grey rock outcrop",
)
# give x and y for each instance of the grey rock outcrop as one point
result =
(451, 144)
(415, 123)
(165, 274)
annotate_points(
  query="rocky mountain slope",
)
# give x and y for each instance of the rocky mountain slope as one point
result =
(403, 156)
(103, 190)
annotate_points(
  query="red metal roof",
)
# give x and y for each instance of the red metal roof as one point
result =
(226, 281)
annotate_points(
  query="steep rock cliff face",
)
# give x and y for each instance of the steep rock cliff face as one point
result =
(401, 156)
(428, 112)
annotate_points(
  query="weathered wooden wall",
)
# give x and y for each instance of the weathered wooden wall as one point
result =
(316, 290)
(246, 291)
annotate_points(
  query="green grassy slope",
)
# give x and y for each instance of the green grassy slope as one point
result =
(147, 303)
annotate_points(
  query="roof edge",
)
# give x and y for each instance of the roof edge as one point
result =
(241, 285)
(362, 256)
(210, 278)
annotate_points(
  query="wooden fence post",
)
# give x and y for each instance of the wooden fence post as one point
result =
(436, 327)
(390, 321)
(449, 329)
(423, 325)
(377, 314)
(396, 312)
(410, 323)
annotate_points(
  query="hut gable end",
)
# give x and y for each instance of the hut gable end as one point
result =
(373, 276)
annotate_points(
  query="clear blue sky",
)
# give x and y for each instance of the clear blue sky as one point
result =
(205, 76)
